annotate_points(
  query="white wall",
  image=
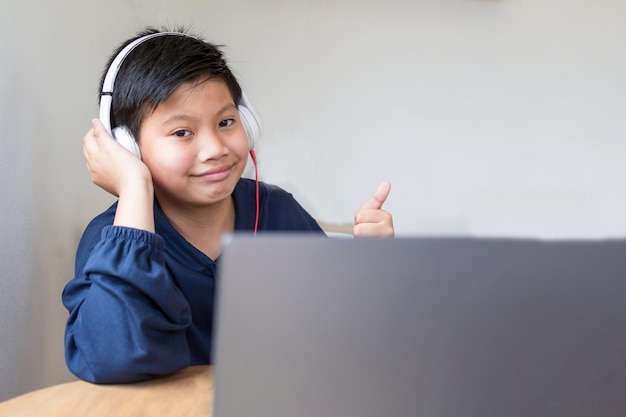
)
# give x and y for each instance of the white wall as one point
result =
(489, 117)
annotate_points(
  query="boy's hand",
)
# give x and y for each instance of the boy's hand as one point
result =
(371, 220)
(110, 166)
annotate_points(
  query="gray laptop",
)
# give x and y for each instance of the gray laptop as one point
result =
(420, 327)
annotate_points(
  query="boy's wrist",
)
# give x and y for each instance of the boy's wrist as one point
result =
(135, 206)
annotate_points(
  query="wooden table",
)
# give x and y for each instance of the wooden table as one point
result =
(188, 393)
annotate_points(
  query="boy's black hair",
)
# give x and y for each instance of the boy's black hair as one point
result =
(155, 68)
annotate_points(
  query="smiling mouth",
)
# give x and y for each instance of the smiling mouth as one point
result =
(216, 174)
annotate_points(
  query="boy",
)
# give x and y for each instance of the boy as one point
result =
(141, 302)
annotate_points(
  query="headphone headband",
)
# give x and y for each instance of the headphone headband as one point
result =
(106, 95)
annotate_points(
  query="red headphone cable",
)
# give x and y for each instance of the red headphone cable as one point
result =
(256, 177)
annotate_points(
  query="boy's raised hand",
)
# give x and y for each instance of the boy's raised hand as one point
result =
(371, 220)
(110, 166)
(122, 174)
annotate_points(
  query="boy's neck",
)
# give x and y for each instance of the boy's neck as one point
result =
(203, 226)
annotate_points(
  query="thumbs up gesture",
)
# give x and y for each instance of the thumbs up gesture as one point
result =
(371, 220)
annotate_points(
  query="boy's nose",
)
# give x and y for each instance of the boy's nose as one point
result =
(210, 146)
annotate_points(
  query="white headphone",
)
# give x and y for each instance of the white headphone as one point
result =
(123, 135)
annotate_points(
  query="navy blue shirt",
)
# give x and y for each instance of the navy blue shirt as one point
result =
(141, 304)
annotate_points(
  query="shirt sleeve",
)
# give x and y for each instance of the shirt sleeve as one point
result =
(127, 318)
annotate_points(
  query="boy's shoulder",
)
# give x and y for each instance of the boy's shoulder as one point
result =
(93, 232)
(279, 210)
(94, 228)
(246, 187)
(103, 219)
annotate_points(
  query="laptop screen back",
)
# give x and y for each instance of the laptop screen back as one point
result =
(310, 326)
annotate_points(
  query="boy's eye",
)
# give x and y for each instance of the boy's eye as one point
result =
(182, 133)
(227, 122)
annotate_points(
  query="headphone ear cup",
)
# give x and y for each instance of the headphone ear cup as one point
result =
(250, 124)
(124, 137)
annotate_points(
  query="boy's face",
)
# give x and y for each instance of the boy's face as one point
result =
(195, 145)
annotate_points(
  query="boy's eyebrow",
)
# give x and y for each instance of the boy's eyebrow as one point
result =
(184, 116)
(177, 118)
(226, 107)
